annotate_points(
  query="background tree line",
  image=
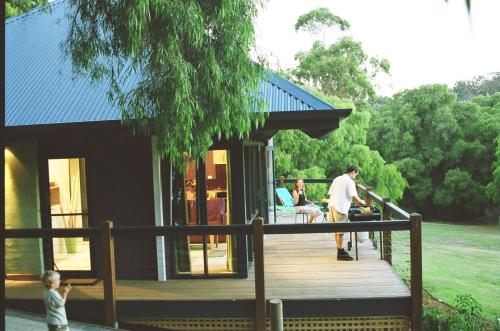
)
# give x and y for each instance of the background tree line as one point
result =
(443, 147)
(432, 148)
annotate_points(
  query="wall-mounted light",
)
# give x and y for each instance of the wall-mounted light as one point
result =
(8, 153)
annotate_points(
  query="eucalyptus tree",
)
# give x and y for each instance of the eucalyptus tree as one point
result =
(319, 20)
(339, 74)
(341, 69)
(189, 60)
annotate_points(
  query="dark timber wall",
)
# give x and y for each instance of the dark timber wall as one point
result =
(121, 182)
(119, 188)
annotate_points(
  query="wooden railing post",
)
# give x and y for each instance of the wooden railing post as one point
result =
(108, 274)
(368, 200)
(416, 271)
(386, 241)
(276, 314)
(260, 289)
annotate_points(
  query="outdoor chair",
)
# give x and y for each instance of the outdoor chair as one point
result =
(287, 204)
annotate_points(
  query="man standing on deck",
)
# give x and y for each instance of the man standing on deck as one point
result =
(342, 191)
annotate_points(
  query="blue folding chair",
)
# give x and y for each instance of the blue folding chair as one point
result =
(287, 204)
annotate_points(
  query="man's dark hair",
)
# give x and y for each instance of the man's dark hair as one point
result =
(352, 168)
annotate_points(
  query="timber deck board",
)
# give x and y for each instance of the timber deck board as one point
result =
(297, 266)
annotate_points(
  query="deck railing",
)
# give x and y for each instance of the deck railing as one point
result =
(389, 211)
(106, 233)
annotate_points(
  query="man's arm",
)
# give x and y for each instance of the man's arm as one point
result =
(354, 193)
(358, 200)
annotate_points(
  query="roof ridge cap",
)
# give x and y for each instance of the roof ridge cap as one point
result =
(48, 5)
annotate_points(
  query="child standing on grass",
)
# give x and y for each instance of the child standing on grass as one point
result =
(54, 302)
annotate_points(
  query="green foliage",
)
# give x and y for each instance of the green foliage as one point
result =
(319, 19)
(466, 317)
(347, 145)
(435, 319)
(314, 192)
(295, 150)
(444, 148)
(460, 193)
(339, 74)
(493, 188)
(340, 69)
(197, 79)
(16, 7)
(339, 149)
(477, 86)
(466, 304)
(440, 320)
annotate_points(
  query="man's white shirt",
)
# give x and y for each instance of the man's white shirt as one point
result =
(341, 192)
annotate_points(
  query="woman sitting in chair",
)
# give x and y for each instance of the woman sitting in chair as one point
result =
(302, 205)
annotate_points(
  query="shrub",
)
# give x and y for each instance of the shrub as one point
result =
(466, 317)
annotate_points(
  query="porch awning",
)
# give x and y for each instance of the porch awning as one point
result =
(315, 123)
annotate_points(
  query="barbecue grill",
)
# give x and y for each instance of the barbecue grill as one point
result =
(357, 215)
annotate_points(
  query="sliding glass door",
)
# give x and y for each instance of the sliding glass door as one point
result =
(205, 195)
(68, 210)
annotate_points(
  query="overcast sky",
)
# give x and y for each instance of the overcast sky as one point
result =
(426, 41)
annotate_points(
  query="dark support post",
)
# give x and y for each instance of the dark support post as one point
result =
(386, 241)
(416, 271)
(237, 202)
(201, 207)
(276, 314)
(263, 196)
(108, 274)
(274, 187)
(260, 289)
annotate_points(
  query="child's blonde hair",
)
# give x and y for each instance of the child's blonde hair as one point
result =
(49, 277)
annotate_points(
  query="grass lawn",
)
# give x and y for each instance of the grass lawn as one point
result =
(460, 259)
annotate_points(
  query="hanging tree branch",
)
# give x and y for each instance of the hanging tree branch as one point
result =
(191, 61)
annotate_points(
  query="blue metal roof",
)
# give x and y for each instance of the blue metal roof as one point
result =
(41, 88)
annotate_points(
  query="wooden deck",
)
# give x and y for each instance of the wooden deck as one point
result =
(299, 266)
(300, 269)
